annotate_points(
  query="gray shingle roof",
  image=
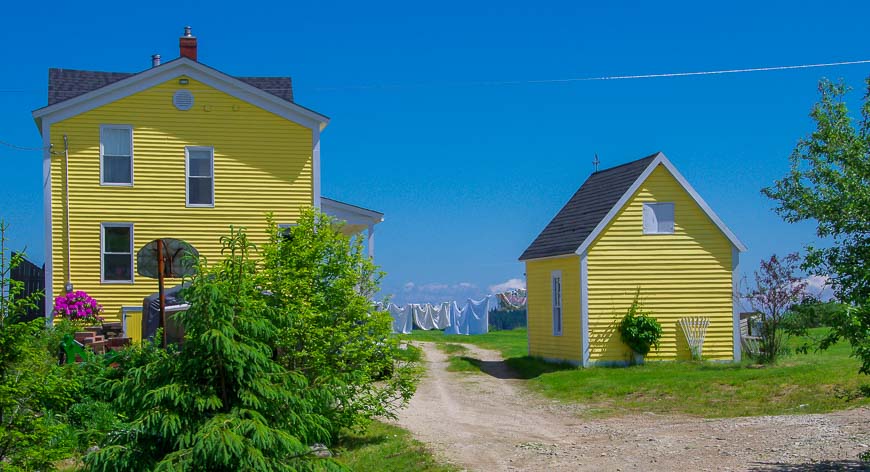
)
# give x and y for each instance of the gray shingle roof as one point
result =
(64, 84)
(576, 220)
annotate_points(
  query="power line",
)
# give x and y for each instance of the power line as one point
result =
(601, 78)
(543, 81)
(23, 148)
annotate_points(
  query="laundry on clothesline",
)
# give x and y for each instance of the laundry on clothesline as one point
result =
(513, 299)
(403, 321)
(472, 318)
(430, 316)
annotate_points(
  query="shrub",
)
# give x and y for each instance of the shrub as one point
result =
(322, 283)
(777, 287)
(32, 385)
(638, 329)
(78, 307)
(221, 403)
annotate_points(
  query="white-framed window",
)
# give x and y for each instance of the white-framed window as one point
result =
(199, 171)
(116, 155)
(658, 218)
(556, 284)
(284, 228)
(116, 253)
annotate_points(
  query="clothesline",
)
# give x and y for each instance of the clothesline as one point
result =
(471, 318)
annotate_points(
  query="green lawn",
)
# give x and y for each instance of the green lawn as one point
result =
(386, 447)
(509, 343)
(812, 383)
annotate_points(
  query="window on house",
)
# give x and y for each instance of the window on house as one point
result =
(116, 155)
(556, 282)
(117, 252)
(658, 218)
(284, 229)
(200, 176)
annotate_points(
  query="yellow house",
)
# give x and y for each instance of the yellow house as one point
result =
(635, 226)
(180, 150)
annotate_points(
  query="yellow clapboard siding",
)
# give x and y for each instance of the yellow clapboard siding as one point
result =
(684, 274)
(262, 163)
(542, 342)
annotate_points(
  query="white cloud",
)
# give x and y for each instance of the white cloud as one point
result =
(436, 292)
(819, 286)
(510, 284)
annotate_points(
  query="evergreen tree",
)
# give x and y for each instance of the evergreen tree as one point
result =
(219, 402)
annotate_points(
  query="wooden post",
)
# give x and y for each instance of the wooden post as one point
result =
(161, 294)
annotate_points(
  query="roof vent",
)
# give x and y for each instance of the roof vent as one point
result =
(183, 100)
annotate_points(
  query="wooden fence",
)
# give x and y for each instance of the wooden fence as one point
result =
(33, 278)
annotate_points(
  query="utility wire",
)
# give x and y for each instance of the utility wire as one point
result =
(542, 81)
(602, 78)
(23, 148)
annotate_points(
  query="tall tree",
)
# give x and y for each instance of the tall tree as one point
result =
(829, 183)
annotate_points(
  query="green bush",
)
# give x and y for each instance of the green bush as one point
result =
(638, 329)
(32, 386)
(221, 402)
(321, 284)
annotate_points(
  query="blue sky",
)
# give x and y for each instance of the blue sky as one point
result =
(468, 174)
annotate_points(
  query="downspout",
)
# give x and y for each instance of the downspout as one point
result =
(68, 286)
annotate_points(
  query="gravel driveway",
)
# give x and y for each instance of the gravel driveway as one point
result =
(487, 422)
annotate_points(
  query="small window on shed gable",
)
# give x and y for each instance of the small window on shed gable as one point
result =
(658, 218)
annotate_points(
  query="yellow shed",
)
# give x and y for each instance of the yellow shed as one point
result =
(641, 226)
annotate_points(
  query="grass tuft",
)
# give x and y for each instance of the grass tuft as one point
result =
(386, 447)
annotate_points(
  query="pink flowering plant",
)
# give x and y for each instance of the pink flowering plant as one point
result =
(78, 307)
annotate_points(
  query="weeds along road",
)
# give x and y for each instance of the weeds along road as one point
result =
(490, 421)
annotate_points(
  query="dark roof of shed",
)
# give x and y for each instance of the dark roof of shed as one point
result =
(576, 220)
(64, 84)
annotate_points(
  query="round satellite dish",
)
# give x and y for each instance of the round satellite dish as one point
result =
(178, 258)
(183, 100)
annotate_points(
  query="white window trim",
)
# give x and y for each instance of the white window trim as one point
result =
(128, 128)
(103, 227)
(652, 205)
(187, 150)
(557, 275)
(284, 228)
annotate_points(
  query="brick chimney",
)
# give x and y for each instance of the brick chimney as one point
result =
(187, 44)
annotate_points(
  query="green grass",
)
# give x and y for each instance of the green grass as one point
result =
(386, 447)
(798, 383)
(510, 343)
(458, 360)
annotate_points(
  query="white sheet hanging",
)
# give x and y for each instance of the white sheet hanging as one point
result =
(478, 322)
(403, 322)
(429, 316)
(472, 318)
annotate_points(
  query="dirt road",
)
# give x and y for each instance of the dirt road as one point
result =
(489, 422)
